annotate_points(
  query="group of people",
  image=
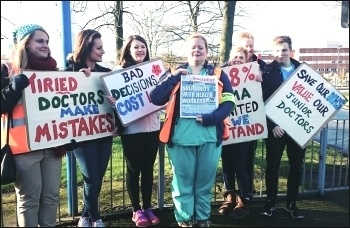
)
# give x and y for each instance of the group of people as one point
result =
(194, 146)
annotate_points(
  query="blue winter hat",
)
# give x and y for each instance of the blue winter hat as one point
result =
(24, 30)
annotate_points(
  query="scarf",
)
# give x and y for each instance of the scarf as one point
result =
(35, 63)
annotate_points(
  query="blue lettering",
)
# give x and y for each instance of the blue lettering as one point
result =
(133, 103)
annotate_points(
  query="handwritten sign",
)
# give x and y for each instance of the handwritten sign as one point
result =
(303, 104)
(248, 119)
(60, 106)
(198, 95)
(131, 88)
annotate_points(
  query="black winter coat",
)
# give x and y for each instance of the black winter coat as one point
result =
(9, 96)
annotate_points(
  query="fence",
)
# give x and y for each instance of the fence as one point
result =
(326, 168)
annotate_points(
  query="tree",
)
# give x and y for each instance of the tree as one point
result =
(227, 30)
(4, 18)
(109, 15)
(164, 25)
(148, 23)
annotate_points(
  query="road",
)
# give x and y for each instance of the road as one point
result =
(338, 131)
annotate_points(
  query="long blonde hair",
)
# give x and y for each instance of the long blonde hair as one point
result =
(20, 53)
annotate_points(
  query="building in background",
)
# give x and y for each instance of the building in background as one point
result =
(331, 61)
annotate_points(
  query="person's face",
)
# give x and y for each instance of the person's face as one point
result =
(38, 45)
(97, 51)
(197, 51)
(138, 51)
(281, 53)
(248, 43)
(238, 58)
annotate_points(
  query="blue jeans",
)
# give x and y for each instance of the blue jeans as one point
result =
(93, 160)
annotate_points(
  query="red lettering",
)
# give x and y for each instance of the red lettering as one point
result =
(83, 127)
(241, 131)
(63, 130)
(32, 82)
(77, 127)
(62, 84)
(101, 119)
(42, 132)
(92, 124)
(247, 130)
(109, 118)
(148, 97)
(74, 128)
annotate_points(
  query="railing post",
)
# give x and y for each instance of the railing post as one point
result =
(322, 160)
(70, 159)
(161, 182)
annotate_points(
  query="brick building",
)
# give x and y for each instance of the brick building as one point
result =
(326, 60)
(329, 61)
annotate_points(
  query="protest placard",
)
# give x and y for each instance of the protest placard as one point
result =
(198, 95)
(131, 88)
(303, 104)
(61, 106)
(248, 119)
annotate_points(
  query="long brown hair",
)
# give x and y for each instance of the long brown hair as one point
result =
(126, 59)
(84, 42)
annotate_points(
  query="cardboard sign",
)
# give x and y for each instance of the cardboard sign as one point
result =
(61, 106)
(198, 95)
(131, 88)
(303, 104)
(248, 119)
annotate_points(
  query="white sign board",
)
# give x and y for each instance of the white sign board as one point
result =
(131, 88)
(248, 119)
(198, 95)
(303, 104)
(61, 106)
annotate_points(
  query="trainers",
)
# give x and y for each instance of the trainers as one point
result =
(294, 211)
(151, 217)
(98, 223)
(268, 208)
(203, 223)
(84, 222)
(185, 224)
(140, 219)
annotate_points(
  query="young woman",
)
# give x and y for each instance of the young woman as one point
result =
(140, 142)
(93, 156)
(234, 160)
(194, 144)
(38, 172)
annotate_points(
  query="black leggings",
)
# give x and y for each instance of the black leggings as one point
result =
(234, 160)
(140, 152)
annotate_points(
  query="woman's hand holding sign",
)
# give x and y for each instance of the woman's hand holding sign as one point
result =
(111, 100)
(87, 71)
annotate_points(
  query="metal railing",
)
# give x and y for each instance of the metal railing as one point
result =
(326, 168)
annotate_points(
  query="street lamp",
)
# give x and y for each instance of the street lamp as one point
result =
(337, 78)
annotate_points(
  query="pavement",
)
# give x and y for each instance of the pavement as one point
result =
(328, 210)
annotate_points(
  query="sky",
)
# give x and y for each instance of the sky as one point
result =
(309, 24)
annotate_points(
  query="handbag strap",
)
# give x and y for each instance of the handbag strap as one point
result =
(9, 115)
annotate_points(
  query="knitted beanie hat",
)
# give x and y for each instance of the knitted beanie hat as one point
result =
(24, 30)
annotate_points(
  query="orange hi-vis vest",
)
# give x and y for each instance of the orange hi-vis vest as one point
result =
(169, 112)
(18, 137)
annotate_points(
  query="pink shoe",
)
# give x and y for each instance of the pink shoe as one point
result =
(151, 217)
(140, 219)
